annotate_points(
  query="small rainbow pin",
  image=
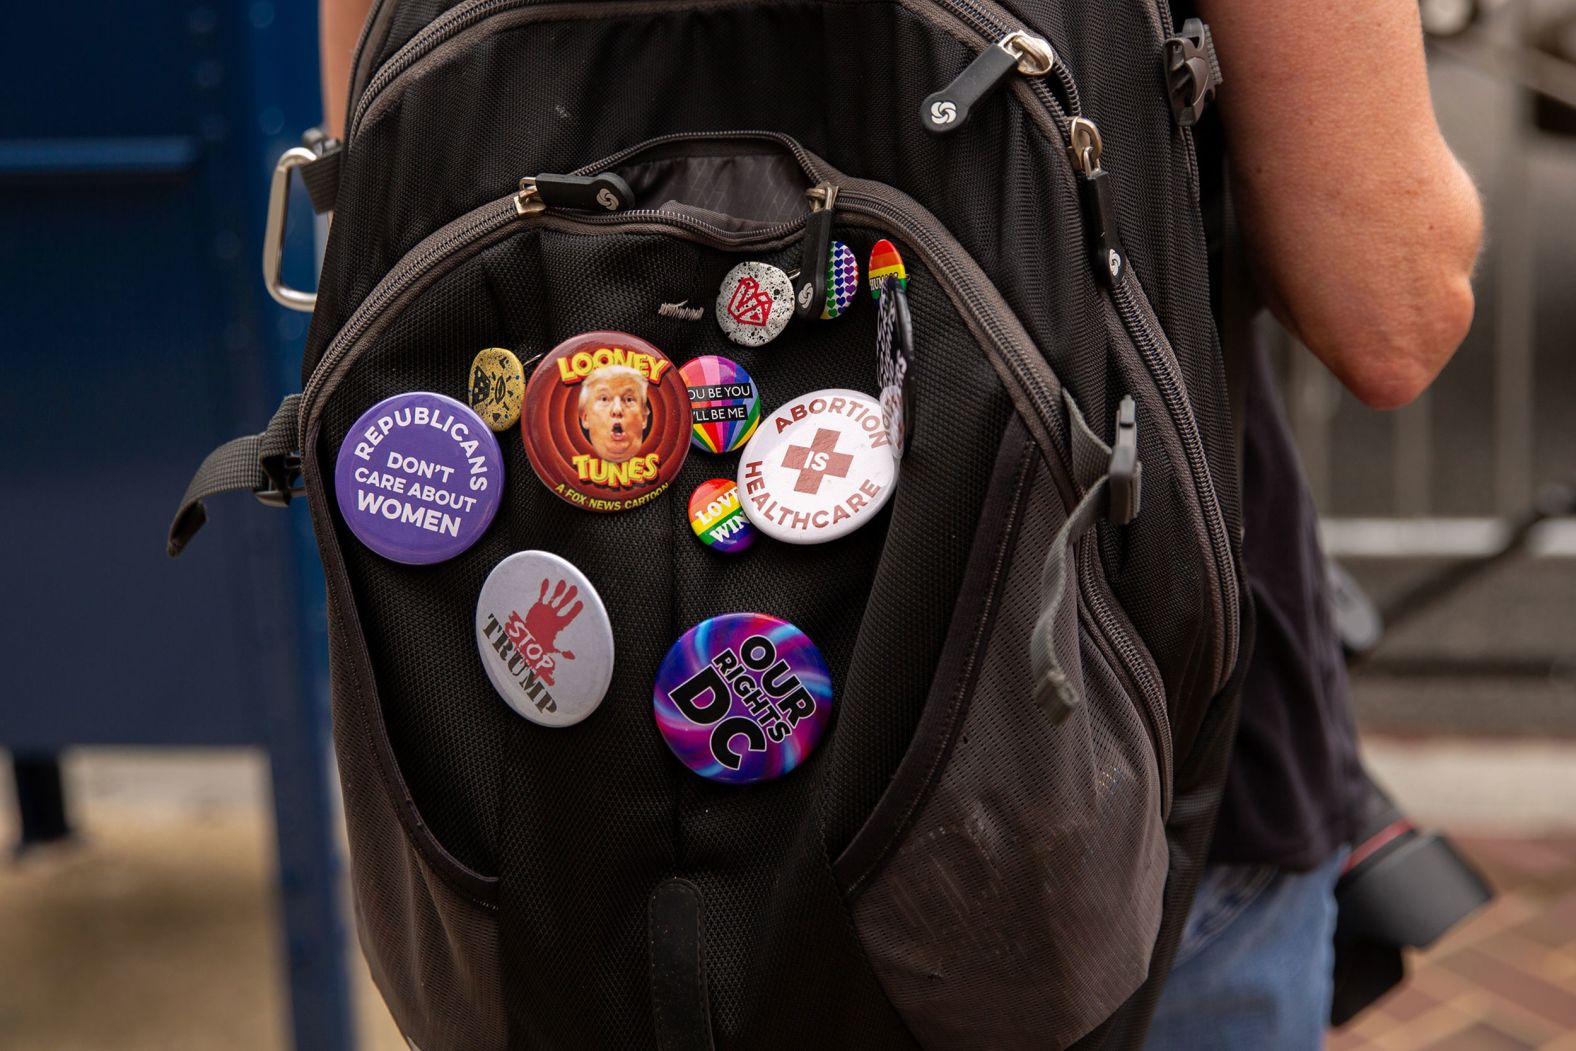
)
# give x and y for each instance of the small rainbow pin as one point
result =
(885, 263)
(842, 281)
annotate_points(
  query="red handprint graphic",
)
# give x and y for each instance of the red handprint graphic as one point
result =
(749, 305)
(536, 634)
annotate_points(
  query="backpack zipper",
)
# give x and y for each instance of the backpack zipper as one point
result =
(1143, 681)
(490, 222)
(989, 25)
(1156, 352)
(1006, 48)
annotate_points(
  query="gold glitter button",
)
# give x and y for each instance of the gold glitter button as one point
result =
(497, 387)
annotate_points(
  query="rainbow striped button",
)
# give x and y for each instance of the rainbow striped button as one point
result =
(725, 403)
(885, 263)
(717, 517)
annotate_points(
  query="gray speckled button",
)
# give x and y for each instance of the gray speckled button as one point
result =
(754, 304)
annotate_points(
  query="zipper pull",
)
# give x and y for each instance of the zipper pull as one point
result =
(948, 109)
(589, 193)
(1106, 253)
(810, 297)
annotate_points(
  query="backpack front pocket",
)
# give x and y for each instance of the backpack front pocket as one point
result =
(947, 577)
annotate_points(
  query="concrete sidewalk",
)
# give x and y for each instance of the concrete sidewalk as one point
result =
(157, 931)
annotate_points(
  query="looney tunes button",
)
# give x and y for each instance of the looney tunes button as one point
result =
(725, 404)
(497, 387)
(606, 421)
(544, 638)
(895, 362)
(818, 467)
(743, 697)
(754, 304)
(717, 518)
(418, 478)
(842, 280)
(885, 263)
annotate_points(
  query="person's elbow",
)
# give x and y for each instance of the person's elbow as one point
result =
(1388, 343)
(1388, 364)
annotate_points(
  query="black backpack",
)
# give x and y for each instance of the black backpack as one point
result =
(1031, 647)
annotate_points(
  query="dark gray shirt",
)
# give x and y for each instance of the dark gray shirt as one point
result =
(1292, 790)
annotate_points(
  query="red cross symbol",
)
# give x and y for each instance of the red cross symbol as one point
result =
(817, 461)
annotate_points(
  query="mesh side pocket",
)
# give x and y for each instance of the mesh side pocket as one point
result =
(433, 952)
(428, 925)
(433, 948)
(1019, 904)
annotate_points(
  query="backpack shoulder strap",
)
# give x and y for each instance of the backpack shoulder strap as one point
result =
(268, 465)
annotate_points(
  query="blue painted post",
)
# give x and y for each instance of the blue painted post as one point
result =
(280, 53)
(135, 153)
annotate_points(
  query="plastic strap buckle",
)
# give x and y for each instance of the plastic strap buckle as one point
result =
(1192, 71)
(284, 480)
(1125, 476)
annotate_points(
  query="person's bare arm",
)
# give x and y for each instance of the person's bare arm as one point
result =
(1362, 227)
(338, 28)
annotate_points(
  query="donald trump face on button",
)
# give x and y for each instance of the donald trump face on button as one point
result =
(614, 411)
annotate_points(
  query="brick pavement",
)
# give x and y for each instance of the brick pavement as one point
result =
(1503, 981)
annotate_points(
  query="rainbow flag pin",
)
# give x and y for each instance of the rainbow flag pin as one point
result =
(885, 263)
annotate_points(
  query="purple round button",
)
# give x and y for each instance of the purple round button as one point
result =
(419, 478)
(743, 697)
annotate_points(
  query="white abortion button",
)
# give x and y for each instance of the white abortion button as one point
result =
(544, 638)
(818, 467)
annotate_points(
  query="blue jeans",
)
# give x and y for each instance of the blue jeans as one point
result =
(1254, 967)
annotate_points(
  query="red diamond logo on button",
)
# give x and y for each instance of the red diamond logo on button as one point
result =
(748, 304)
(817, 461)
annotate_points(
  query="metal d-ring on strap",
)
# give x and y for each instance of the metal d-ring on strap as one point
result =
(274, 233)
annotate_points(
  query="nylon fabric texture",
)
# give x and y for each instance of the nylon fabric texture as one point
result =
(824, 896)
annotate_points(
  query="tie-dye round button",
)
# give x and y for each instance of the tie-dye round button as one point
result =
(754, 304)
(842, 280)
(743, 697)
(419, 478)
(717, 518)
(725, 403)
